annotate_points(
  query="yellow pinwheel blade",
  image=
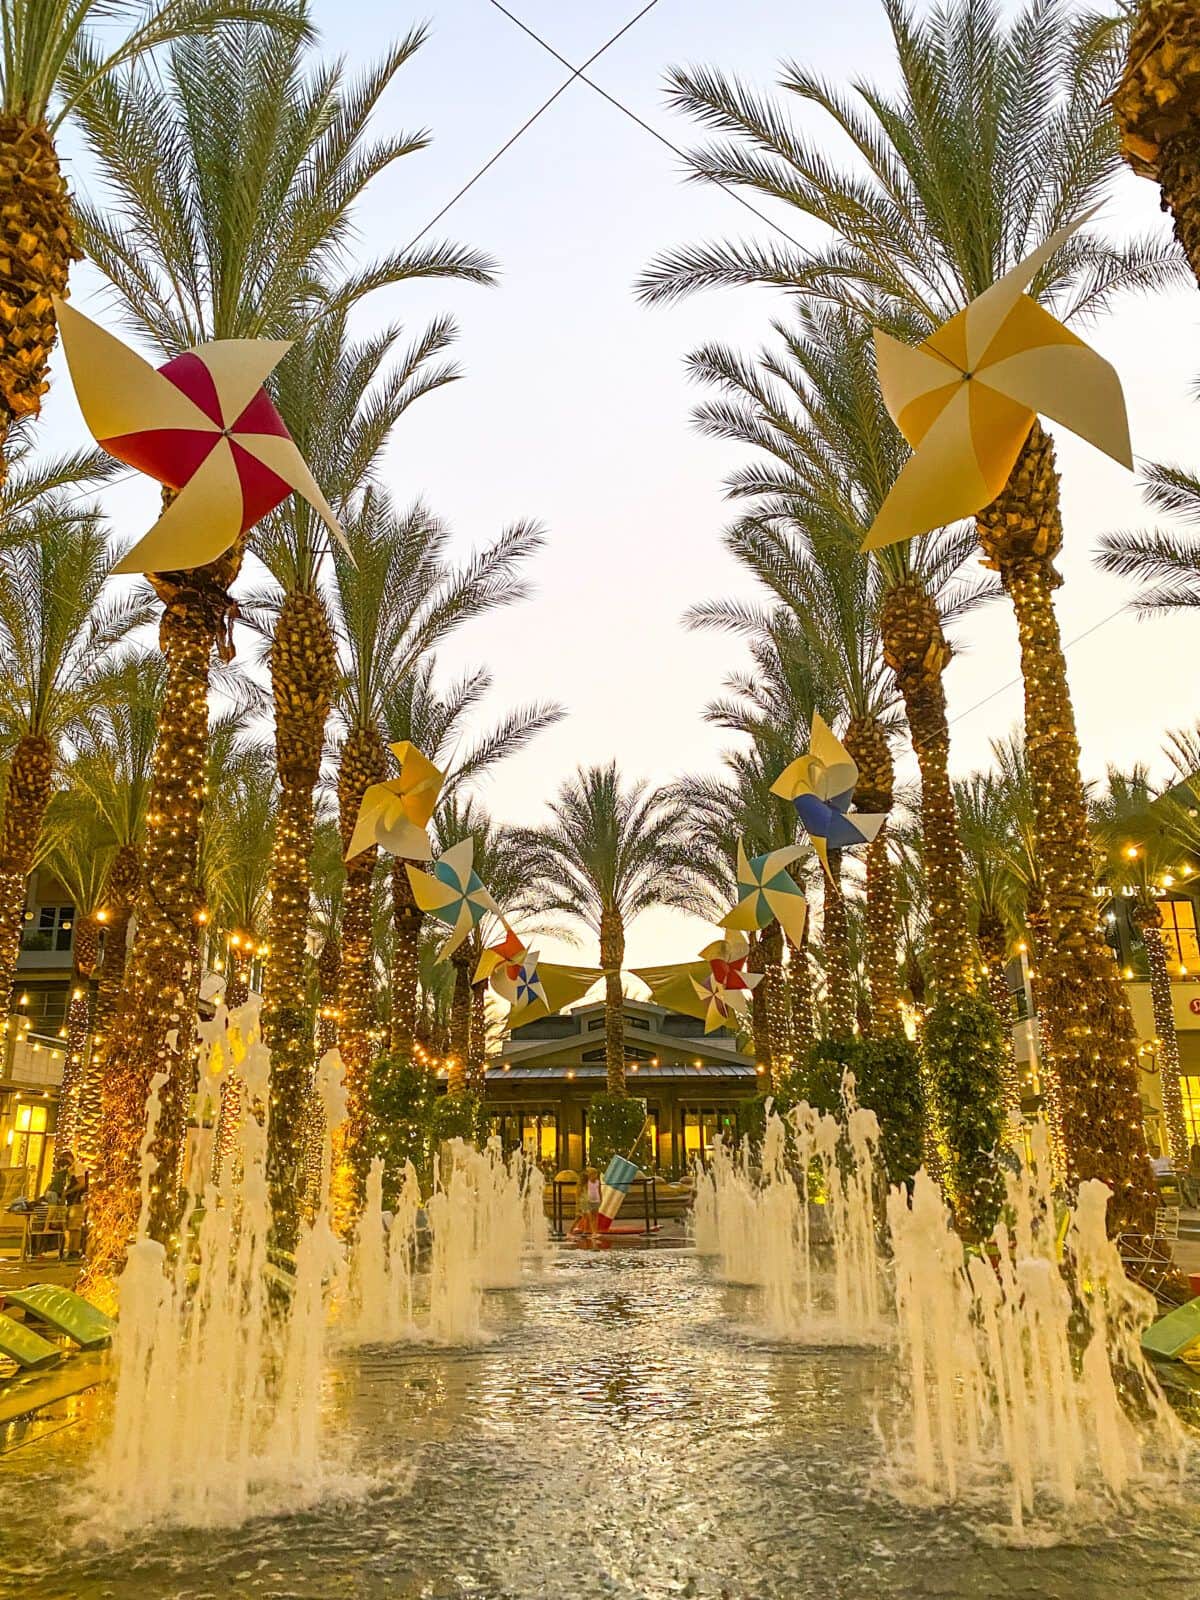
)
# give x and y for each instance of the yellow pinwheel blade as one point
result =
(742, 916)
(286, 462)
(430, 893)
(201, 522)
(841, 774)
(118, 392)
(791, 910)
(420, 782)
(238, 369)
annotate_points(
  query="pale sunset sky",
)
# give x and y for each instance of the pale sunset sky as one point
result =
(574, 407)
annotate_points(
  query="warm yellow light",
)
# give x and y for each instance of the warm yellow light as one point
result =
(1022, 947)
(1168, 880)
(1128, 972)
(1131, 851)
(102, 916)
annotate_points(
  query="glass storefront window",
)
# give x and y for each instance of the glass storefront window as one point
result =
(29, 1145)
(701, 1127)
(1179, 935)
(1190, 1090)
(533, 1129)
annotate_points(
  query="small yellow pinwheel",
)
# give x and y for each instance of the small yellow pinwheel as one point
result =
(967, 398)
(821, 786)
(395, 814)
(556, 987)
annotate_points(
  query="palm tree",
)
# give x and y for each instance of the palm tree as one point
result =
(434, 721)
(59, 628)
(51, 52)
(772, 705)
(986, 827)
(341, 401)
(1157, 104)
(1165, 560)
(232, 175)
(813, 409)
(609, 853)
(396, 598)
(972, 164)
(1139, 854)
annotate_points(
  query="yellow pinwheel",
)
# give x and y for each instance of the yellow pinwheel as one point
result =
(507, 952)
(821, 786)
(203, 425)
(674, 986)
(453, 892)
(395, 814)
(767, 893)
(967, 397)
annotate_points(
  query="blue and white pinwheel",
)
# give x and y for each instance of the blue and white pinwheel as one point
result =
(520, 981)
(453, 892)
(767, 892)
(821, 787)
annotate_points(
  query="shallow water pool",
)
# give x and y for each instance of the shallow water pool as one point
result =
(621, 1435)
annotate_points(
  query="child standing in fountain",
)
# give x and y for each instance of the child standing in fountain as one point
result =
(588, 1205)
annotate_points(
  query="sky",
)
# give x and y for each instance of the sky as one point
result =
(574, 408)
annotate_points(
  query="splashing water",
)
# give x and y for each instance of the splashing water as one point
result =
(484, 1227)
(1015, 1363)
(802, 1226)
(216, 1413)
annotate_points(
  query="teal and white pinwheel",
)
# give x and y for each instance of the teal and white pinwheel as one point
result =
(453, 892)
(767, 893)
(821, 787)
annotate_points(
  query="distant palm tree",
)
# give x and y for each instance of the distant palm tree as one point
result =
(60, 625)
(232, 173)
(396, 599)
(111, 774)
(610, 852)
(972, 163)
(1165, 560)
(52, 52)
(435, 721)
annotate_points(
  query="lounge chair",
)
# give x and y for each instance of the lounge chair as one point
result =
(65, 1312)
(26, 1348)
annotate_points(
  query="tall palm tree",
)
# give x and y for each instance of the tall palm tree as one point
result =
(396, 598)
(1158, 104)
(970, 165)
(610, 852)
(341, 401)
(51, 52)
(60, 624)
(1139, 853)
(232, 175)
(812, 408)
(1165, 560)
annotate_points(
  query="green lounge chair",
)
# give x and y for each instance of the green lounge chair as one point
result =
(66, 1312)
(26, 1348)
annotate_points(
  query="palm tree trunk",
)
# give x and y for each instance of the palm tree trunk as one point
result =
(460, 1024)
(963, 1043)
(27, 792)
(1094, 1043)
(612, 955)
(760, 1032)
(154, 1028)
(406, 962)
(124, 883)
(993, 946)
(835, 949)
(363, 763)
(800, 995)
(37, 243)
(1158, 110)
(477, 1056)
(1148, 919)
(85, 947)
(869, 749)
(329, 972)
(303, 676)
(778, 1031)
